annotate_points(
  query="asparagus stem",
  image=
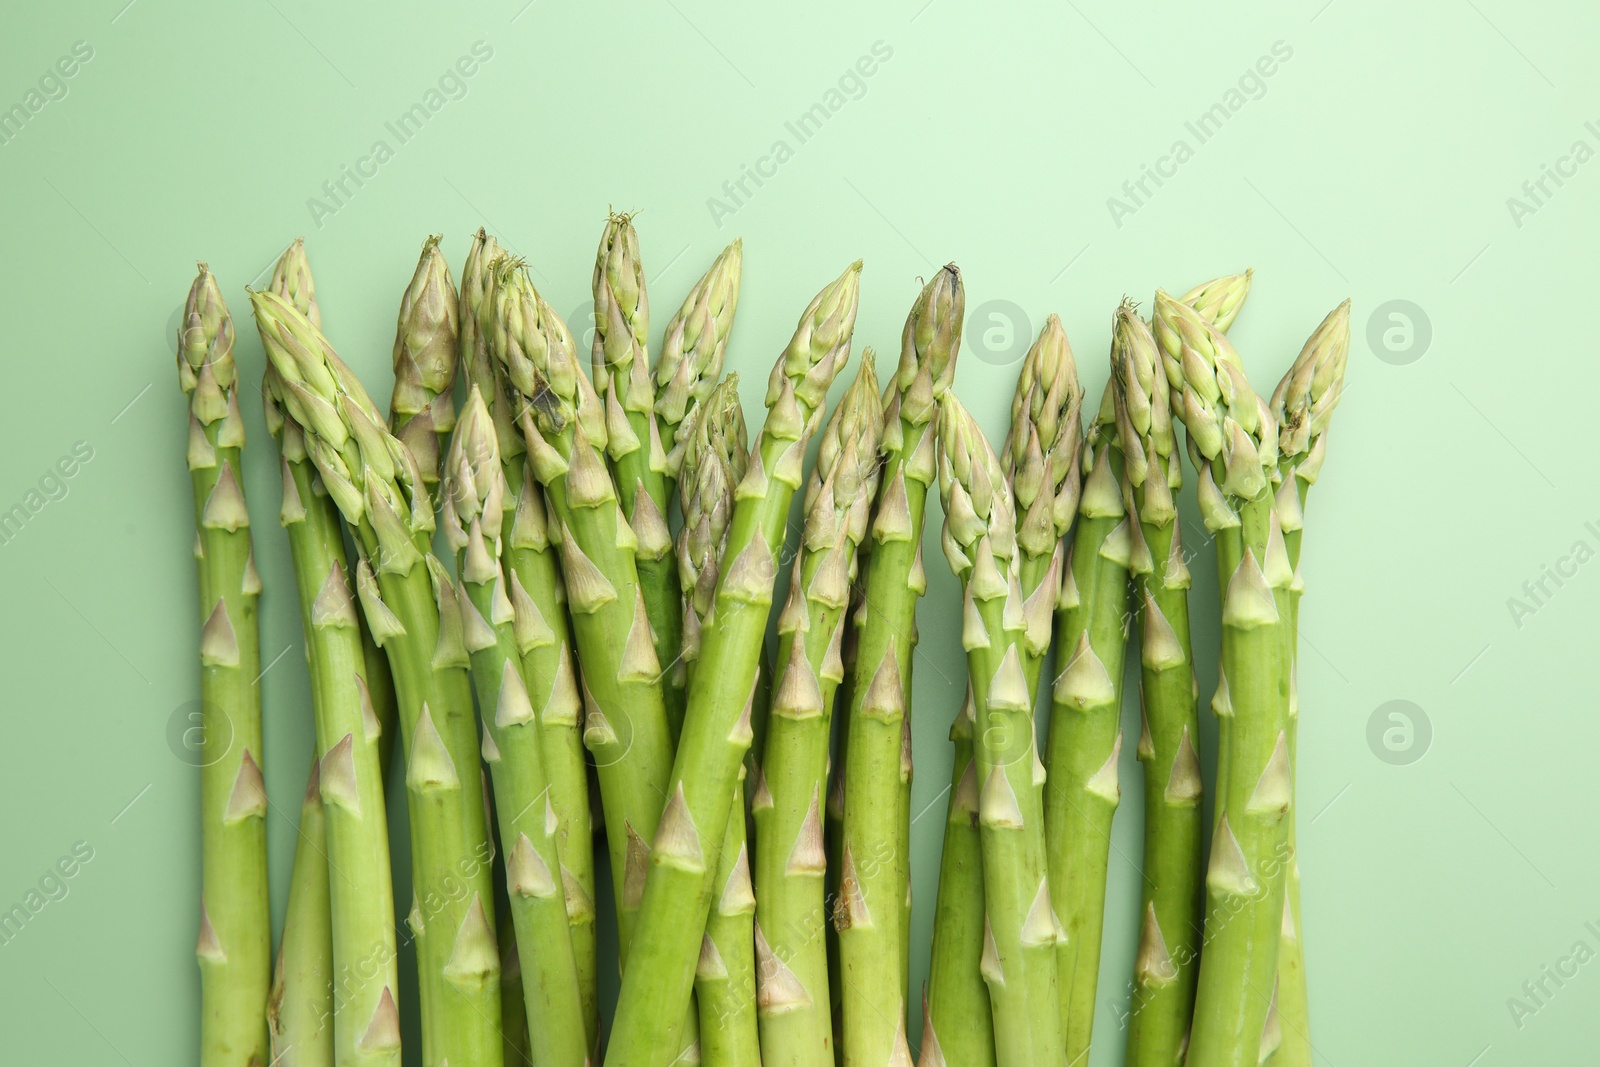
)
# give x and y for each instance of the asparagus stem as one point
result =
(1021, 929)
(422, 410)
(633, 441)
(234, 946)
(1169, 907)
(692, 353)
(957, 1026)
(725, 976)
(560, 417)
(791, 909)
(1085, 739)
(1303, 403)
(353, 706)
(474, 509)
(300, 1009)
(874, 870)
(1233, 439)
(678, 890)
(414, 615)
(546, 642)
(513, 1008)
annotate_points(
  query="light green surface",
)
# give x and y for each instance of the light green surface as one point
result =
(1377, 164)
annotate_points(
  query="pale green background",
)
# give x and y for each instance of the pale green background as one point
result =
(1376, 165)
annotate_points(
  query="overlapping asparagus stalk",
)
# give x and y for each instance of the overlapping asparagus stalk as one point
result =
(692, 353)
(725, 977)
(791, 910)
(300, 1009)
(1233, 440)
(874, 867)
(678, 890)
(1085, 740)
(234, 946)
(411, 607)
(1303, 404)
(1021, 927)
(352, 743)
(1040, 459)
(1169, 934)
(545, 641)
(422, 410)
(622, 378)
(561, 418)
(473, 515)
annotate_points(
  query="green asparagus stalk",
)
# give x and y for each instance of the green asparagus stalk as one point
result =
(422, 410)
(957, 1026)
(473, 515)
(560, 417)
(1169, 942)
(545, 642)
(1303, 403)
(1040, 459)
(352, 703)
(412, 609)
(874, 867)
(234, 947)
(1085, 739)
(513, 1008)
(633, 441)
(725, 977)
(1021, 929)
(791, 911)
(1169, 932)
(300, 1009)
(714, 463)
(1233, 439)
(692, 353)
(678, 890)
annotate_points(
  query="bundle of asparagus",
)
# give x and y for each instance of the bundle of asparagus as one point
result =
(581, 616)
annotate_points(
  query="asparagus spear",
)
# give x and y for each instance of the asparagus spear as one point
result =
(791, 911)
(692, 353)
(352, 738)
(1169, 945)
(957, 1025)
(422, 410)
(560, 417)
(546, 640)
(633, 440)
(714, 462)
(1021, 929)
(412, 609)
(1085, 739)
(874, 868)
(1169, 941)
(474, 505)
(1233, 440)
(1303, 403)
(300, 1008)
(234, 947)
(678, 890)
